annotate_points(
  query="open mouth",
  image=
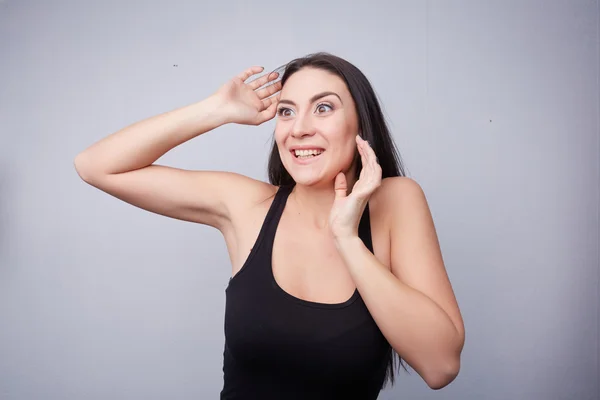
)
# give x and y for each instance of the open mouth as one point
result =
(307, 154)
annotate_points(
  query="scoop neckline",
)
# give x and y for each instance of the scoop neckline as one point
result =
(309, 303)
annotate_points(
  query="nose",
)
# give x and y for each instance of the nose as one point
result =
(302, 127)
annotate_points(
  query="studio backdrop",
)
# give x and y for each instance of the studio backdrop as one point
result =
(494, 106)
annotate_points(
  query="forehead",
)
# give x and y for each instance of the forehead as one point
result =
(303, 84)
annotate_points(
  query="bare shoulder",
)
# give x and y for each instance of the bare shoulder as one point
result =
(242, 193)
(394, 195)
(398, 188)
(255, 193)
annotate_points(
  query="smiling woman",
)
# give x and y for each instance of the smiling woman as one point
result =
(336, 268)
(353, 102)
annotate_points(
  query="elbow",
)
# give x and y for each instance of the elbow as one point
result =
(83, 168)
(445, 370)
(78, 165)
(443, 375)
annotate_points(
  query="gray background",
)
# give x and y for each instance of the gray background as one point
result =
(494, 106)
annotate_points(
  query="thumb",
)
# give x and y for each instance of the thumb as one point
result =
(340, 185)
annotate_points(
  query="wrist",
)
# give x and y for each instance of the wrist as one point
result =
(215, 108)
(347, 242)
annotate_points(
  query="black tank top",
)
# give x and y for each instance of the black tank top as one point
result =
(278, 346)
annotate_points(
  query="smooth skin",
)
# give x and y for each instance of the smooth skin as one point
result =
(317, 255)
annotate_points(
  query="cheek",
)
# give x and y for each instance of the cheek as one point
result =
(338, 131)
(279, 138)
(343, 128)
(277, 132)
(345, 154)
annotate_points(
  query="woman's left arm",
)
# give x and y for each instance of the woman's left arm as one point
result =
(412, 302)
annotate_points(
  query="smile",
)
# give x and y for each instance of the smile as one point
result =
(306, 156)
(307, 153)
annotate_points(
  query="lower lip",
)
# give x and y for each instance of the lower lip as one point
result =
(304, 161)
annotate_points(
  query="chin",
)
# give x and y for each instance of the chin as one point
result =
(312, 178)
(313, 173)
(305, 179)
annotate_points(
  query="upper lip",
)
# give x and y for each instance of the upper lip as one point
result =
(305, 147)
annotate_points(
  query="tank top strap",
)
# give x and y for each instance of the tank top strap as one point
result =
(274, 215)
(260, 254)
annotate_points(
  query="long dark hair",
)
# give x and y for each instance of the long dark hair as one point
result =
(372, 127)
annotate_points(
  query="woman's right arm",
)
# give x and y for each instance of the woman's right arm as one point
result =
(121, 164)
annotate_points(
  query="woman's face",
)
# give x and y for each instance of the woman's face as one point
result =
(316, 126)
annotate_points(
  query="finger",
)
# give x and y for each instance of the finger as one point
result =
(249, 72)
(374, 162)
(340, 186)
(361, 143)
(369, 152)
(372, 155)
(369, 160)
(363, 156)
(269, 90)
(269, 112)
(255, 84)
(270, 102)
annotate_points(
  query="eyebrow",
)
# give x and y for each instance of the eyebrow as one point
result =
(314, 98)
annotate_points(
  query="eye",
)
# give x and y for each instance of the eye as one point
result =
(322, 107)
(283, 111)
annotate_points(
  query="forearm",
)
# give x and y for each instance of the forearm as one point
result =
(142, 143)
(416, 327)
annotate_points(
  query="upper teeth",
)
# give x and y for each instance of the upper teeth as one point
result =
(308, 152)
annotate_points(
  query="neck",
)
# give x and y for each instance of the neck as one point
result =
(313, 203)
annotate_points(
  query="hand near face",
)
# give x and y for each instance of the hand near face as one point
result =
(347, 209)
(247, 104)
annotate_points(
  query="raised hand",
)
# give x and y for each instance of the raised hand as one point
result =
(347, 209)
(245, 103)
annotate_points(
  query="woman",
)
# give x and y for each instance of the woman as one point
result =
(336, 265)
